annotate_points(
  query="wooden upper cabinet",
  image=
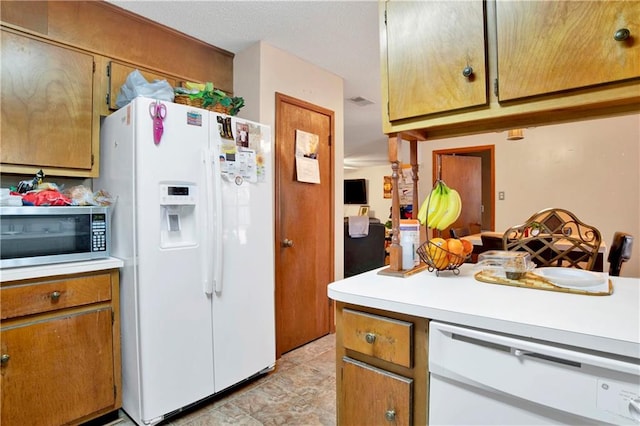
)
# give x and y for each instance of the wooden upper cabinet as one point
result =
(118, 74)
(47, 95)
(435, 57)
(552, 46)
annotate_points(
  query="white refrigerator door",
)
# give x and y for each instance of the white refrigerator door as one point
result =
(243, 304)
(174, 312)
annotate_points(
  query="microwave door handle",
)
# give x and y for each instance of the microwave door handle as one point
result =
(207, 263)
(217, 236)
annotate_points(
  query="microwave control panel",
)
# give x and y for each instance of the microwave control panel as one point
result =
(98, 232)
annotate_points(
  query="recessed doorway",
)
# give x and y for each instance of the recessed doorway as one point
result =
(471, 171)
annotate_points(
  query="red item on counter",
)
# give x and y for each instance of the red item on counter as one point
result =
(47, 197)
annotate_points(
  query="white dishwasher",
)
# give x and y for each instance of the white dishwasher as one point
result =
(480, 377)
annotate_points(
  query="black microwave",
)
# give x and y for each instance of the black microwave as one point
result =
(43, 235)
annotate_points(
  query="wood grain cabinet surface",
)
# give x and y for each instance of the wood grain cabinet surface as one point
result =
(435, 57)
(62, 68)
(47, 97)
(547, 47)
(60, 349)
(467, 67)
(381, 367)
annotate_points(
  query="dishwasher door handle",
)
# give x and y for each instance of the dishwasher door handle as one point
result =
(533, 348)
(519, 352)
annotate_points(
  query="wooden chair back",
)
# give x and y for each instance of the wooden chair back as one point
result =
(459, 232)
(619, 252)
(556, 237)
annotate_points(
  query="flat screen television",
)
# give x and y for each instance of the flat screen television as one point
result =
(355, 191)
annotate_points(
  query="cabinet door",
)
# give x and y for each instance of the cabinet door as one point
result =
(429, 46)
(118, 74)
(371, 396)
(47, 93)
(550, 46)
(58, 370)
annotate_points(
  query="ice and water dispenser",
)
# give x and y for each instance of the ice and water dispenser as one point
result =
(178, 203)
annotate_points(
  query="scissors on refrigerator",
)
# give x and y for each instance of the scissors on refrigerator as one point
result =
(158, 112)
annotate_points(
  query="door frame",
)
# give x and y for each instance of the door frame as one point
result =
(482, 151)
(281, 98)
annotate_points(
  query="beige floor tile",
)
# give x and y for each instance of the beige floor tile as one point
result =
(299, 392)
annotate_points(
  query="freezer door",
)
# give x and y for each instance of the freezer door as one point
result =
(174, 316)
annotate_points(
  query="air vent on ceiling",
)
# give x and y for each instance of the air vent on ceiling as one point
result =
(360, 101)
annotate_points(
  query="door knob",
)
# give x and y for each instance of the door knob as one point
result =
(622, 34)
(287, 243)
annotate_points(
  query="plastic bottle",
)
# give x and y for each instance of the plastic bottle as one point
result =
(406, 242)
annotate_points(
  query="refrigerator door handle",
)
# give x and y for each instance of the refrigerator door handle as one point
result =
(217, 236)
(208, 261)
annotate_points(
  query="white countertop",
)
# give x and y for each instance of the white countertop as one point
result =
(13, 274)
(603, 323)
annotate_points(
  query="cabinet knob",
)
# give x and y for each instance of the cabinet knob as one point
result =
(55, 296)
(370, 337)
(4, 358)
(287, 243)
(467, 71)
(390, 415)
(622, 34)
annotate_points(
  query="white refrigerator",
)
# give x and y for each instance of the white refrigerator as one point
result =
(193, 221)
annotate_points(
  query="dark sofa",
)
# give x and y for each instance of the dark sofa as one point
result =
(366, 253)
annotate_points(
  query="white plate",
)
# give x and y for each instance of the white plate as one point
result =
(572, 277)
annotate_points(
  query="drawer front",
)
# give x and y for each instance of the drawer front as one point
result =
(372, 396)
(47, 296)
(384, 338)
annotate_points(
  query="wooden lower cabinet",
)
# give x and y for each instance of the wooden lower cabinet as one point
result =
(60, 352)
(372, 396)
(381, 367)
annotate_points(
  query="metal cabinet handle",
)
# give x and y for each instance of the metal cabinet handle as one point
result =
(287, 243)
(622, 34)
(390, 415)
(370, 338)
(55, 295)
(4, 358)
(467, 71)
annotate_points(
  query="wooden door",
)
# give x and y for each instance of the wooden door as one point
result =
(304, 227)
(428, 46)
(464, 174)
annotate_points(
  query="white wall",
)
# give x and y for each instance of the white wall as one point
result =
(591, 168)
(262, 70)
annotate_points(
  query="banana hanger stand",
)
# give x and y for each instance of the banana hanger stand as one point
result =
(434, 253)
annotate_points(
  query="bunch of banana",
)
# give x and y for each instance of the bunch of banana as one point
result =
(441, 208)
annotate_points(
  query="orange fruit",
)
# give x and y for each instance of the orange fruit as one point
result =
(456, 250)
(437, 253)
(467, 245)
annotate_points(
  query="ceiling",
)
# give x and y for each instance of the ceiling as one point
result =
(338, 36)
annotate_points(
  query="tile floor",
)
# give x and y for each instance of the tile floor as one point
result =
(299, 392)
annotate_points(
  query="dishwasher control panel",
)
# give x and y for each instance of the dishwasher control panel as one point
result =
(619, 398)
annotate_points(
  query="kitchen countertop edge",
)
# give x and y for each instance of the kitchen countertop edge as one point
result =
(29, 272)
(350, 291)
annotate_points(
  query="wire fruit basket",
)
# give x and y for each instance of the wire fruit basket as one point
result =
(437, 253)
(438, 258)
